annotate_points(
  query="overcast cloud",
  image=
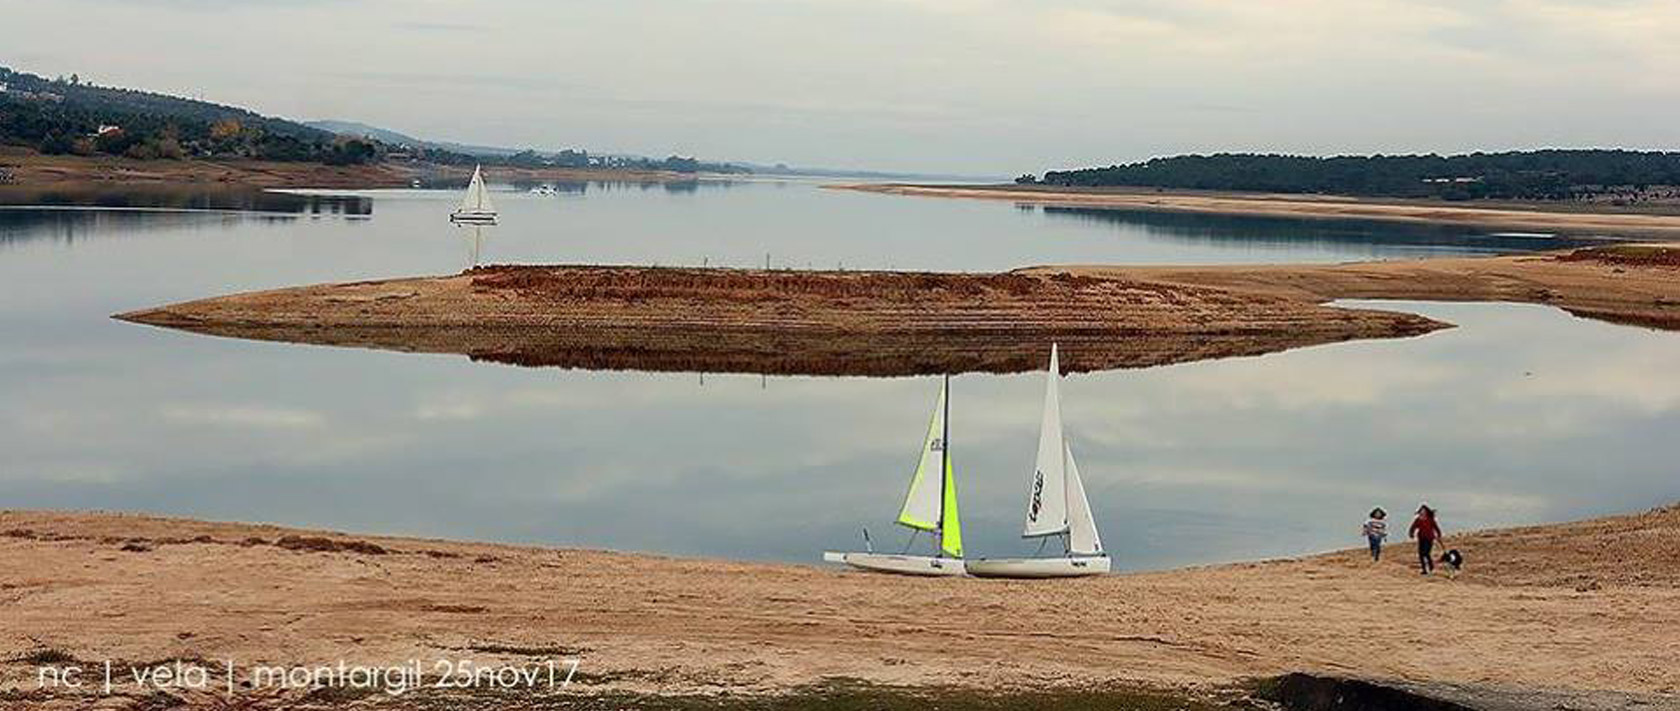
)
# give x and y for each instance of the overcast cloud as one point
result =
(976, 86)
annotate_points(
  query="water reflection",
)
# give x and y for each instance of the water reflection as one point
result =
(178, 196)
(68, 226)
(1259, 229)
(1497, 422)
(756, 352)
(473, 235)
(72, 211)
(583, 187)
(1523, 414)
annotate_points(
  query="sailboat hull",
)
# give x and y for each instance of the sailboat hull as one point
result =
(1068, 567)
(479, 217)
(922, 565)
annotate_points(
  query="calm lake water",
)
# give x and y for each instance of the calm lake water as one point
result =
(1524, 414)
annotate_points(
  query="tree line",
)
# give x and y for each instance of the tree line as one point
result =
(65, 115)
(1552, 174)
(578, 158)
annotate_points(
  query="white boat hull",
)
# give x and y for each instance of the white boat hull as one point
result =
(473, 216)
(1069, 567)
(899, 564)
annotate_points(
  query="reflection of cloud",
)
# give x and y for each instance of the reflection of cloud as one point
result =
(1481, 504)
(452, 408)
(248, 416)
(1312, 380)
(1345, 376)
(1484, 503)
(1628, 376)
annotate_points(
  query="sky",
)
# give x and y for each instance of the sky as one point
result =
(983, 87)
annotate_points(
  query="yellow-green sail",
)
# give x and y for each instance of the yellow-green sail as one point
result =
(931, 504)
(950, 538)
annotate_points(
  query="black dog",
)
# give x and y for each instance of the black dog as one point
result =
(1454, 561)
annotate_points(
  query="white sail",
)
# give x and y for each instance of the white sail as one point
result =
(922, 506)
(469, 200)
(1047, 488)
(477, 199)
(1082, 527)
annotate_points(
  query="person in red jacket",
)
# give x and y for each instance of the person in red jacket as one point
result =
(1427, 533)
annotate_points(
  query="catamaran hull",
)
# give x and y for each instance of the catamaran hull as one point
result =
(899, 564)
(1070, 567)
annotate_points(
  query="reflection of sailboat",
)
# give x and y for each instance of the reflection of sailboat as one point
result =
(475, 205)
(475, 234)
(930, 506)
(1056, 505)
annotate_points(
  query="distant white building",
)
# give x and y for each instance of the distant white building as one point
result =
(105, 128)
(4, 87)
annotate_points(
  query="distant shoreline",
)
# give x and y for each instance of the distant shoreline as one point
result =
(29, 168)
(1559, 217)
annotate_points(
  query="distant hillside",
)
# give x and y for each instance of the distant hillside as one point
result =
(385, 135)
(395, 138)
(352, 128)
(1537, 175)
(66, 115)
(529, 157)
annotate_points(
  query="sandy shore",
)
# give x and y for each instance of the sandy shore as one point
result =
(33, 169)
(1581, 607)
(1533, 216)
(881, 323)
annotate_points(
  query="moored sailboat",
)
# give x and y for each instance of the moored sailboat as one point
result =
(1056, 505)
(930, 506)
(475, 205)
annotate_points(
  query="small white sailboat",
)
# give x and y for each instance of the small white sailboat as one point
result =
(930, 506)
(1056, 505)
(475, 206)
(544, 190)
